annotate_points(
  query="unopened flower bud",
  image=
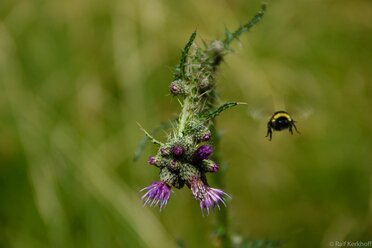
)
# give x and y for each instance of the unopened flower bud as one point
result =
(206, 137)
(174, 165)
(164, 151)
(152, 160)
(177, 150)
(216, 51)
(216, 47)
(171, 178)
(210, 166)
(205, 84)
(178, 87)
(203, 152)
(202, 133)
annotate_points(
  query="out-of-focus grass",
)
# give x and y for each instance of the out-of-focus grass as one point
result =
(75, 76)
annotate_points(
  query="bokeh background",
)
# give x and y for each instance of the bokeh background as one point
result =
(76, 76)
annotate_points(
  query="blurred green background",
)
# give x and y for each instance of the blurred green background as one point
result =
(76, 76)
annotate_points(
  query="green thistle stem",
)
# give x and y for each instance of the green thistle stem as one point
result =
(184, 116)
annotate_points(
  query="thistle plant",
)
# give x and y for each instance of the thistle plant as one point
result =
(185, 157)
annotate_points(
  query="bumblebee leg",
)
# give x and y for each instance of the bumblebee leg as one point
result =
(269, 132)
(293, 124)
(290, 129)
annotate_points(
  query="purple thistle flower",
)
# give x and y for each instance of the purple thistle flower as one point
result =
(207, 196)
(206, 137)
(210, 166)
(177, 150)
(152, 160)
(203, 152)
(212, 198)
(174, 88)
(213, 167)
(157, 194)
(174, 165)
(164, 151)
(178, 87)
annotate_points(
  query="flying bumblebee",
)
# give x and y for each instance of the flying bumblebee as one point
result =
(279, 121)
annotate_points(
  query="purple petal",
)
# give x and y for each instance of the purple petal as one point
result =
(208, 197)
(157, 194)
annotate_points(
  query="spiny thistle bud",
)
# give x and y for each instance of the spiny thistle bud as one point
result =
(216, 47)
(188, 171)
(164, 151)
(170, 177)
(174, 165)
(206, 136)
(203, 152)
(203, 135)
(178, 87)
(209, 166)
(205, 84)
(177, 150)
(153, 160)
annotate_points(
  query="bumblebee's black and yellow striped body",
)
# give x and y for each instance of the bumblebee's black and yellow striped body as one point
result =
(279, 121)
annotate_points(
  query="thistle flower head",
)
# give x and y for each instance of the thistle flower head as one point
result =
(174, 165)
(202, 133)
(208, 197)
(206, 137)
(164, 151)
(209, 165)
(216, 47)
(203, 152)
(214, 167)
(212, 199)
(205, 84)
(177, 150)
(178, 87)
(158, 193)
(152, 160)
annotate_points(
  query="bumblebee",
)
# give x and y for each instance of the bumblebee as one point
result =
(279, 121)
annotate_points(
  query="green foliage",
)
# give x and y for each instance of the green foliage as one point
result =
(141, 145)
(229, 37)
(220, 109)
(180, 72)
(149, 137)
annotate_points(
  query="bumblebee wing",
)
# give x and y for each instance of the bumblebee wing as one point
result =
(261, 111)
(258, 113)
(302, 113)
(306, 113)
